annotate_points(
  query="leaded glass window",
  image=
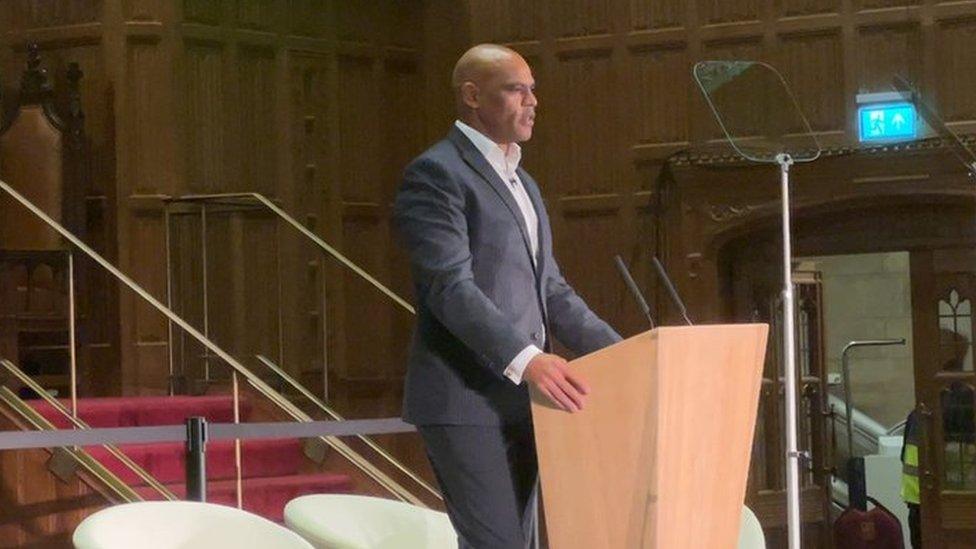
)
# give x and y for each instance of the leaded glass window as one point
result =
(955, 332)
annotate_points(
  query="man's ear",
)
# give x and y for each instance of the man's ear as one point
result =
(469, 94)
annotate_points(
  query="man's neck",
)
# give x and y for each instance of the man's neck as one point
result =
(476, 124)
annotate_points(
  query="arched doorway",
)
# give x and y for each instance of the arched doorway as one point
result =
(874, 245)
(718, 230)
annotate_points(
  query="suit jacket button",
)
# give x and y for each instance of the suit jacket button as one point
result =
(535, 336)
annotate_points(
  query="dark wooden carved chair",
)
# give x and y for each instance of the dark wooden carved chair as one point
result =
(43, 157)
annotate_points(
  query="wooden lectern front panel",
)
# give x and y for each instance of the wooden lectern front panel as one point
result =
(659, 456)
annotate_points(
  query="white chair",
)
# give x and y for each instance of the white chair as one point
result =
(750, 531)
(181, 525)
(334, 521)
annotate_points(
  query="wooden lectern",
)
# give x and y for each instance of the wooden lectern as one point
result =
(659, 456)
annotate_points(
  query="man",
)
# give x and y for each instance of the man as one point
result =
(910, 488)
(489, 298)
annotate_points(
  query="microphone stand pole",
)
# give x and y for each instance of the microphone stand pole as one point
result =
(793, 455)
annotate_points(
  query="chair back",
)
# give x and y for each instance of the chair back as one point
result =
(181, 524)
(337, 521)
(750, 531)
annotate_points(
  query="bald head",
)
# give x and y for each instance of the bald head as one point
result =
(478, 63)
(494, 87)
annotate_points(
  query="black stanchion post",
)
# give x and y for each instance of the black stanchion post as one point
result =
(196, 459)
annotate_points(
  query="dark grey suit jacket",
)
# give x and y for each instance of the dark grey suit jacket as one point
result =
(480, 299)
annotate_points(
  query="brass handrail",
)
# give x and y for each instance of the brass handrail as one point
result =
(251, 378)
(285, 216)
(337, 417)
(343, 449)
(122, 490)
(77, 422)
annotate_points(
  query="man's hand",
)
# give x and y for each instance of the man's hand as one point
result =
(551, 376)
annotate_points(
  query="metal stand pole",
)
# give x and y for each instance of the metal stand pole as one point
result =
(196, 459)
(72, 334)
(536, 507)
(789, 352)
(167, 224)
(206, 298)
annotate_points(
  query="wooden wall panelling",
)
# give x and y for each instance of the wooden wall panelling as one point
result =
(957, 61)
(447, 34)
(360, 127)
(206, 12)
(145, 366)
(146, 10)
(887, 49)
(806, 60)
(864, 5)
(506, 21)
(404, 111)
(794, 8)
(654, 14)
(42, 13)
(311, 76)
(586, 129)
(227, 270)
(662, 100)
(381, 127)
(580, 18)
(717, 12)
(141, 54)
(187, 296)
(203, 115)
(264, 281)
(257, 115)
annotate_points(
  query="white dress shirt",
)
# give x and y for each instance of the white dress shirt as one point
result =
(505, 166)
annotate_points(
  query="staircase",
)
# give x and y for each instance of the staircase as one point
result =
(273, 471)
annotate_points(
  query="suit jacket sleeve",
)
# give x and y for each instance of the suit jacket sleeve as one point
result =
(430, 216)
(571, 320)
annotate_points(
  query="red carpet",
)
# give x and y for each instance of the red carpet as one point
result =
(271, 469)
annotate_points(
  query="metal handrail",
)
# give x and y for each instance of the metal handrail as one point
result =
(252, 379)
(343, 449)
(846, 372)
(337, 417)
(112, 449)
(122, 490)
(285, 216)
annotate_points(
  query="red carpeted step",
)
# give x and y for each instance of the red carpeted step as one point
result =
(165, 461)
(269, 467)
(265, 496)
(142, 411)
(97, 412)
(174, 410)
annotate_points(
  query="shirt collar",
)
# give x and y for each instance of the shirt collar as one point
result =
(493, 152)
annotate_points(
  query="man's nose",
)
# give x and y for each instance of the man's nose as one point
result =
(530, 99)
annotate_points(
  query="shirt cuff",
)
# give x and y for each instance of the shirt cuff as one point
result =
(518, 364)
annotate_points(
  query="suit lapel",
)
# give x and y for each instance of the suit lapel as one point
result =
(532, 189)
(473, 157)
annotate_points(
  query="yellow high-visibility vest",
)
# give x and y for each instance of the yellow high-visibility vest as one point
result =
(910, 491)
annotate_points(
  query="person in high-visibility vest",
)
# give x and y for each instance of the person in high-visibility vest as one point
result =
(910, 490)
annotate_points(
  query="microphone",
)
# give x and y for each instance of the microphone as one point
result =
(675, 298)
(638, 296)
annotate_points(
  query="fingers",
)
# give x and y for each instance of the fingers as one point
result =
(563, 391)
(560, 399)
(577, 382)
(569, 392)
(551, 376)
